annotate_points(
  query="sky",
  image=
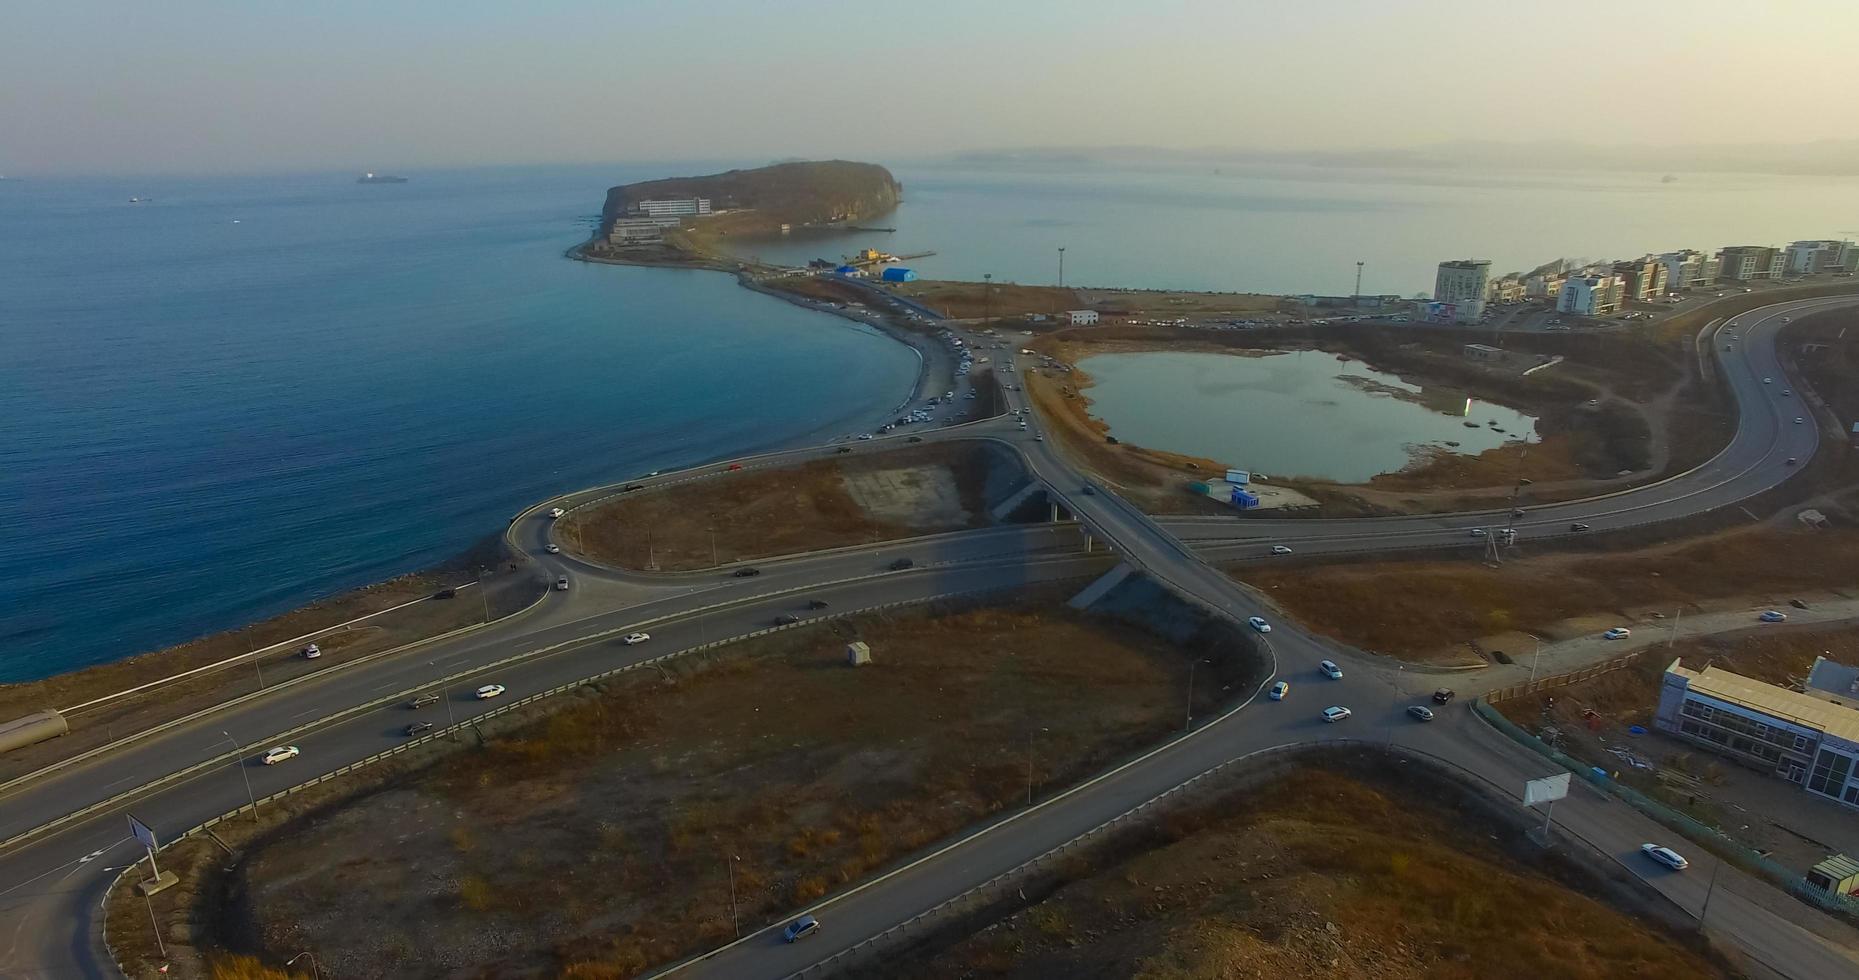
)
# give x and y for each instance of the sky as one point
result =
(232, 86)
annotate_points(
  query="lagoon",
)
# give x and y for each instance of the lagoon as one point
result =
(1302, 413)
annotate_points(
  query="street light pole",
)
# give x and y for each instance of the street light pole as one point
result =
(1029, 764)
(734, 916)
(482, 597)
(1061, 267)
(1188, 725)
(239, 758)
(987, 298)
(315, 972)
(1708, 891)
(1536, 659)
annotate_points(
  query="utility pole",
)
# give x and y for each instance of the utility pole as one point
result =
(1536, 659)
(1708, 891)
(1358, 292)
(1029, 763)
(482, 597)
(1679, 615)
(734, 916)
(1188, 725)
(1061, 267)
(987, 298)
(713, 561)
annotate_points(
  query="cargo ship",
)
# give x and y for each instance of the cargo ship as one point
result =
(379, 179)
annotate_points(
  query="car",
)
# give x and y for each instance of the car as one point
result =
(422, 700)
(311, 652)
(1329, 669)
(283, 753)
(1443, 696)
(1768, 381)
(816, 603)
(418, 728)
(630, 487)
(553, 549)
(901, 564)
(864, 436)
(1039, 437)
(800, 929)
(1420, 712)
(1279, 549)
(1728, 347)
(1787, 392)
(843, 449)
(1773, 616)
(1478, 532)
(1259, 624)
(1798, 420)
(1617, 633)
(1790, 461)
(1335, 713)
(561, 584)
(445, 593)
(555, 513)
(734, 466)
(747, 572)
(1797, 603)
(1516, 512)
(786, 619)
(914, 439)
(1784, 319)
(490, 691)
(1666, 856)
(1578, 526)
(1278, 691)
(1088, 490)
(634, 639)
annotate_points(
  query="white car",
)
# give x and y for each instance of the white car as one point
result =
(1259, 625)
(1330, 670)
(1617, 633)
(1478, 532)
(1798, 420)
(490, 691)
(554, 549)
(632, 639)
(1279, 690)
(555, 513)
(561, 584)
(1335, 713)
(1279, 549)
(1666, 856)
(283, 753)
(1768, 381)
(311, 652)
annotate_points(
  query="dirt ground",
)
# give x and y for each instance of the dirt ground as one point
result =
(1590, 720)
(507, 592)
(1323, 872)
(1441, 611)
(855, 498)
(602, 838)
(962, 300)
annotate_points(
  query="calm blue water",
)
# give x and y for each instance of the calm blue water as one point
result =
(251, 393)
(1303, 229)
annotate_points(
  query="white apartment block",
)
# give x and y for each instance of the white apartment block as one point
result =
(676, 208)
(1590, 295)
(1816, 257)
(1464, 283)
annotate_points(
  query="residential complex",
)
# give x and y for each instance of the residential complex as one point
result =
(1816, 257)
(1643, 280)
(1742, 263)
(1808, 738)
(1688, 269)
(1462, 285)
(1595, 294)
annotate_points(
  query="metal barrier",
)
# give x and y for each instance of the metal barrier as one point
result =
(1563, 679)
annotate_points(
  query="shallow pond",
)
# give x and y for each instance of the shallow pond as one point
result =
(1301, 413)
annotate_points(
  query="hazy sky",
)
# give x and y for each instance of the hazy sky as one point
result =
(247, 85)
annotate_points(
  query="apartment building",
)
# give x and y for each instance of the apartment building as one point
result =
(682, 207)
(1463, 284)
(1743, 263)
(1642, 280)
(1809, 738)
(1688, 269)
(1812, 258)
(1592, 294)
(1544, 287)
(635, 231)
(1508, 289)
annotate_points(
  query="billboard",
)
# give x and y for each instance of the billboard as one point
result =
(143, 832)
(1241, 477)
(1546, 790)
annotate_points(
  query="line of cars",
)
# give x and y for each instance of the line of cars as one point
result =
(1331, 669)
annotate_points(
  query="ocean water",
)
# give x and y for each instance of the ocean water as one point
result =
(249, 393)
(1303, 229)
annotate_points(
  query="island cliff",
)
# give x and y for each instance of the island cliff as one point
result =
(761, 200)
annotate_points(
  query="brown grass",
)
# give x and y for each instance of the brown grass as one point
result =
(762, 513)
(1320, 874)
(1429, 610)
(621, 815)
(964, 300)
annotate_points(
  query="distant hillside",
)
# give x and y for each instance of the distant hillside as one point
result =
(795, 193)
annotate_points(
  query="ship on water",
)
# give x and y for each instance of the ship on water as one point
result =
(372, 178)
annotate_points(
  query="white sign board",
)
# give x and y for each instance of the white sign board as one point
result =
(1241, 477)
(143, 832)
(1546, 790)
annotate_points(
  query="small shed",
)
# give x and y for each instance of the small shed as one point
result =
(858, 654)
(1837, 875)
(848, 270)
(898, 273)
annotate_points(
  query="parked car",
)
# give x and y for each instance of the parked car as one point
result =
(311, 652)
(1443, 696)
(1329, 669)
(1259, 624)
(561, 584)
(634, 639)
(490, 691)
(800, 928)
(630, 487)
(1666, 856)
(1335, 713)
(1420, 712)
(901, 564)
(422, 700)
(1279, 549)
(283, 753)
(553, 549)
(445, 593)
(1278, 691)
(746, 572)
(1617, 633)
(1774, 616)
(418, 728)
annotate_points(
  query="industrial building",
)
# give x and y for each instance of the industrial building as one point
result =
(898, 273)
(1808, 738)
(1483, 352)
(1595, 294)
(1463, 284)
(1742, 263)
(681, 207)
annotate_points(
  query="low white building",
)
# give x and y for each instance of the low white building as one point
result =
(1082, 318)
(1590, 295)
(1810, 739)
(635, 231)
(675, 207)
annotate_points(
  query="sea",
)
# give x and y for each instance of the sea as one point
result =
(239, 395)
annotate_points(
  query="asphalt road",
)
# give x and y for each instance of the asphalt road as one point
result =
(50, 885)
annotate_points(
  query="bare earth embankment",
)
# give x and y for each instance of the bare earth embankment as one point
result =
(839, 499)
(603, 838)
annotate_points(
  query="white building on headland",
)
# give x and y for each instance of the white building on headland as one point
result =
(1596, 294)
(1463, 283)
(683, 207)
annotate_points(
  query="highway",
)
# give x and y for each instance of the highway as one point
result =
(50, 885)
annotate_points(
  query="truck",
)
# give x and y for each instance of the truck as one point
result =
(32, 729)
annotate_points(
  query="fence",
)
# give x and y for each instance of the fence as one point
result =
(1712, 838)
(1561, 680)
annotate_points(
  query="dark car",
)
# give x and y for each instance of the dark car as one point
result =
(1088, 490)
(816, 604)
(1442, 696)
(419, 728)
(630, 487)
(786, 619)
(422, 700)
(1516, 512)
(901, 564)
(1797, 603)
(914, 439)
(843, 449)
(1578, 527)
(749, 572)
(445, 593)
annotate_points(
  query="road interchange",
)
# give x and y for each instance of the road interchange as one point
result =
(50, 885)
